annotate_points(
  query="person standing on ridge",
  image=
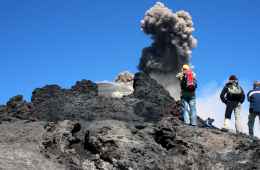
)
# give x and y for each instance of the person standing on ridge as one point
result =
(233, 96)
(188, 85)
(253, 97)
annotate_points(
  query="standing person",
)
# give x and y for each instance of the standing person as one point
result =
(233, 96)
(188, 99)
(253, 97)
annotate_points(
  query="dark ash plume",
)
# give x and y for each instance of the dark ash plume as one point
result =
(172, 43)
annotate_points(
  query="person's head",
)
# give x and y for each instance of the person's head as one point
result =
(233, 78)
(185, 67)
(256, 84)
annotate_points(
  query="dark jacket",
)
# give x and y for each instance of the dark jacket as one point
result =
(225, 97)
(253, 97)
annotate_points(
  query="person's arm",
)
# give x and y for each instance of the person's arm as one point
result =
(243, 96)
(249, 98)
(195, 80)
(179, 76)
(223, 95)
(196, 83)
(194, 75)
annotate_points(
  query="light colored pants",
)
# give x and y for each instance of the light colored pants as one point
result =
(251, 122)
(189, 112)
(236, 108)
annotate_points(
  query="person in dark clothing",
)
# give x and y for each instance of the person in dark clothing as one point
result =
(233, 96)
(253, 97)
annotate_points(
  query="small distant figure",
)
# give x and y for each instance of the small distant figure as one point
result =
(233, 96)
(209, 123)
(188, 98)
(253, 97)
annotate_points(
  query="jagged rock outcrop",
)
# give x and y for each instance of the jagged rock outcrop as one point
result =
(54, 103)
(75, 129)
(147, 102)
(41, 95)
(201, 148)
(123, 145)
(85, 87)
(147, 88)
(153, 97)
(57, 143)
(116, 145)
(16, 108)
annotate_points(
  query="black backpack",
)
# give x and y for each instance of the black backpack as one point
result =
(234, 92)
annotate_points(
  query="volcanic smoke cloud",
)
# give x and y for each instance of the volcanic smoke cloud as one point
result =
(172, 45)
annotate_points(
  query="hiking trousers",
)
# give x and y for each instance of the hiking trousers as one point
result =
(233, 106)
(251, 122)
(189, 111)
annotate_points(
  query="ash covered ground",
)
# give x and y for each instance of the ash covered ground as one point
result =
(78, 129)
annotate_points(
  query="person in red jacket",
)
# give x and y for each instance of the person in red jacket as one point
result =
(188, 85)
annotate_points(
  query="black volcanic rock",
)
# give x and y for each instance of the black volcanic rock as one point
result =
(40, 95)
(165, 133)
(153, 97)
(82, 103)
(123, 146)
(167, 145)
(54, 103)
(75, 129)
(58, 140)
(19, 147)
(83, 108)
(148, 89)
(86, 87)
(16, 108)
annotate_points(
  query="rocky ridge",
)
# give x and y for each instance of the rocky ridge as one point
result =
(78, 129)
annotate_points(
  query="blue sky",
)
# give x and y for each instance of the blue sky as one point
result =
(60, 42)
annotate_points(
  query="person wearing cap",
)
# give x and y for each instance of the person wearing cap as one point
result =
(188, 85)
(233, 96)
(253, 97)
